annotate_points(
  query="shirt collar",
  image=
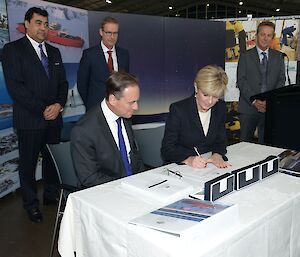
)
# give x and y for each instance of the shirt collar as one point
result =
(34, 43)
(259, 51)
(109, 115)
(105, 49)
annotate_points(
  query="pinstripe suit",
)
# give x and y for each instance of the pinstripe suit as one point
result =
(32, 91)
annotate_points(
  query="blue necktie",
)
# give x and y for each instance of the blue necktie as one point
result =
(263, 64)
(44, 59)
(122, 147)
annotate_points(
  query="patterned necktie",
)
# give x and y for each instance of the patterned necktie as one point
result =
(44, 59)
(263, 65)
(122, 147)
(110, 63)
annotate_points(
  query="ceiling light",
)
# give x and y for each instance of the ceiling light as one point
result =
(108, 1)
(170, 7)
(240, 11)
(278, 9)
(241, 3)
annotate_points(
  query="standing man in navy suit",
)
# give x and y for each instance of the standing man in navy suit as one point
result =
(36, 81)
(98, 62)
(260, 69)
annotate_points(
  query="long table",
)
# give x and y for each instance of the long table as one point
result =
(95, 221)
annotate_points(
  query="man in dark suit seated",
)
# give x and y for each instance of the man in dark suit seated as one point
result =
(36, 81)
(260, 69)
(99, 61)
(102, 142)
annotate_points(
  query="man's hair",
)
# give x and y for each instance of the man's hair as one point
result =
(117, 82)
(211, 80)
(266, 23)
(33, 10)
(108, 19)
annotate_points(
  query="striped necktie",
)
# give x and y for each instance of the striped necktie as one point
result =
(264, 63)
(44, 59)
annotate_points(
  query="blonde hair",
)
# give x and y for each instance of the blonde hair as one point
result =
(211, 80)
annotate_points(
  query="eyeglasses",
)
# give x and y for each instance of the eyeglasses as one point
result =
(109, 33)
(169, 172)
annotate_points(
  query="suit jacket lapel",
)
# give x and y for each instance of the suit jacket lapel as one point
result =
(213, 117)
(255, 59)
(129, 133)
(109, 137)
(105, 128)
(119, 58)
(102, 61)
(195, 114)
(33, 55)
(31, 52)
(270, 64)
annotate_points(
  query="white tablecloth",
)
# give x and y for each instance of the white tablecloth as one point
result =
(95, 221)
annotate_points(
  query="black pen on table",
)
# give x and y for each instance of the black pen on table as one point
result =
(175, 173)
(156, 184)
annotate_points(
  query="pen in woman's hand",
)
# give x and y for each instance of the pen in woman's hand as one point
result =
(196, 150)
(202, 160)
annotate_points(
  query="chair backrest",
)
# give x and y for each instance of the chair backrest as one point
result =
(149, 139)
(62, 159)
(66, 131)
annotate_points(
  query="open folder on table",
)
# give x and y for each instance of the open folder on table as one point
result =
(157, 187)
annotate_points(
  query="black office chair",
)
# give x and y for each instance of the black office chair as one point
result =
(65, 135)
(61, 157)
(149, 143)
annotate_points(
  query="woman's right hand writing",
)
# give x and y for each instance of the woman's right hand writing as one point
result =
(195, 162)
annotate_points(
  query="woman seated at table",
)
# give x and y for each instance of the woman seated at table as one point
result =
(196, 125)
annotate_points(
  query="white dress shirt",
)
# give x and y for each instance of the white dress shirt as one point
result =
(259, 51)
(112, 123)
(36, 46)
(113, 55)
(205, 120)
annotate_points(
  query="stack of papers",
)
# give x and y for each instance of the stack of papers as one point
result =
(158, 187)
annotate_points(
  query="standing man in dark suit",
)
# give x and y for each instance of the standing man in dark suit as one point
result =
(36, 81)
(260, 69)
(98, 62)
(99, 152)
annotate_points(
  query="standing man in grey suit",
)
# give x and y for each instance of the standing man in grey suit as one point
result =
(259, 69)
(98, 62)
(99, 152)
(36, 81)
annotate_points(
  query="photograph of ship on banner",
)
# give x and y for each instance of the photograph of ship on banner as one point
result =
(68, 27)
(58, 35)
